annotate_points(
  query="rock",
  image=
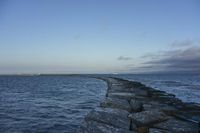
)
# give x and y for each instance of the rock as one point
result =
(167, 100)
(155, 92)
(134, 84)
(121, 95)
(155, 130)
(164, 96)
(118, 88)
(116, 103)
(158, 106)
(133, 127)
(147, 117)
(113, 117)
(190, 107)
(117, 81)
(96, 127)
(139, 92)
(143, 129)
(143, 99)
(188, 115)
(152, 107)
(136, 106)
(158, 93)
(178, 126)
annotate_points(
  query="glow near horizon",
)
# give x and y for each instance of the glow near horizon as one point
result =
(38, 36)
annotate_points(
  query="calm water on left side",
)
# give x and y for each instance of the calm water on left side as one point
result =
(47, 103)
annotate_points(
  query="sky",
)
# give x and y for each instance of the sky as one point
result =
(99, 36)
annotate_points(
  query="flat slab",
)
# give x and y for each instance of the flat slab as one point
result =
(147, 118)
(139, 92)
(122, 95)
(113, 117)
(158, 106)
(119, 88)
(136, 105)
(115, 103)
(155, 130)
(178, 126)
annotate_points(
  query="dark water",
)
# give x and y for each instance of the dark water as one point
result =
(59, 103)
(47, 103)
(185, 86)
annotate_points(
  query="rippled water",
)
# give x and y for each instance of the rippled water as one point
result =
(184, 86)
(47, 103)
(59, 103)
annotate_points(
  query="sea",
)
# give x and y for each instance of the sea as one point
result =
(59, 103)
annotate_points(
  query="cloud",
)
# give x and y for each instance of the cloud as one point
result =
(187, 60)
(184, 57)
(123, 58)
(152, 55)
(177, 45)
(183, 43)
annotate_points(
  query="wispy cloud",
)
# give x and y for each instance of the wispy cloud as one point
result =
(187, 60)
(152, 55)
(183, 43)
(183, 58)
(123, 58)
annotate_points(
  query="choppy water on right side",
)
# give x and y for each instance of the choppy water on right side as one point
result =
(186, 87)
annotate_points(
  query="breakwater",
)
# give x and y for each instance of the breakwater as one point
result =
(131, 107)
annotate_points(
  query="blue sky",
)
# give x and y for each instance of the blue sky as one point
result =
(98, 36)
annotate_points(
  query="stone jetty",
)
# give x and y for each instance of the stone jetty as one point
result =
(131, 107)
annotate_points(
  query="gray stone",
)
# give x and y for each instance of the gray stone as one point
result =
(143, 99)
(113, 117)
(139, 92)
(167, 100)
(113, 80)
(147, 117)
(118, 88)
(134, 84)
(158, 106)
(188, 115)
(96, 127)
(155, 92)
(118, 84)
(143, 129)
(133, 126)
(121, 95)
(178, 126)
(116, 103)
(155, 130)
(136, 106)
(162, 93)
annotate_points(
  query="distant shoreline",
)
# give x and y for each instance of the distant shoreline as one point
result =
(40, 74)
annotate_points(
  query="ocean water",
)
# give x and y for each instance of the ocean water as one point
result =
(47, 103)
(57, 104)
(185, 86)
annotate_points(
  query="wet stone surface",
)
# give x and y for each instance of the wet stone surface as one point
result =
(146, 118)
(116, 103)
(136, 105)
(114, 117)
(131, 107)
(178, 126)
(155, 130)
(122, 95)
